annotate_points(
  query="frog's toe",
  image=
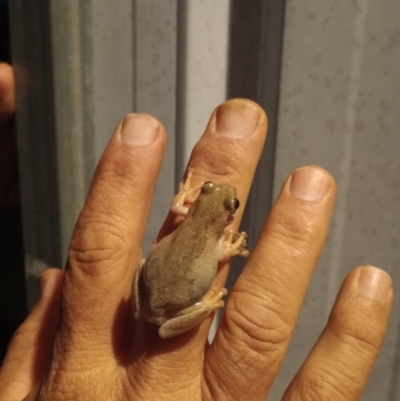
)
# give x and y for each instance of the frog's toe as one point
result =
(215, 295)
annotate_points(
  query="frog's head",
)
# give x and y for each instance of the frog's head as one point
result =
(219, 201)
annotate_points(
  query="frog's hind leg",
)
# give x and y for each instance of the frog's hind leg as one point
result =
(192, 316)
(136, 291)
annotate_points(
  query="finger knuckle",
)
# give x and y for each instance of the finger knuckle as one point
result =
(97, 241)
(262, 328)
(321, 385)
(359, 340)
(116, 174)
(356, 334)
(292, 228)
(218, 163)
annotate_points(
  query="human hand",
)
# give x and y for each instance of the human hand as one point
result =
(101, 353)
(8, 153)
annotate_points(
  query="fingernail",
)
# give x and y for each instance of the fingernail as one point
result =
(139, 129)
(374, 283)
(237, 118)
(309, 183)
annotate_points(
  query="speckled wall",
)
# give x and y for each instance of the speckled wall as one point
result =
(340, 108)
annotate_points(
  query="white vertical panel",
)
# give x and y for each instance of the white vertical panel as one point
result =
(206, 61)
(155, 92)
(113, 61)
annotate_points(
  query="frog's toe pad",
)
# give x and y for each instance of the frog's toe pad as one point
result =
(215, 296)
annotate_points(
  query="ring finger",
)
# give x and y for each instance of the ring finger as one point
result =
(263, 307)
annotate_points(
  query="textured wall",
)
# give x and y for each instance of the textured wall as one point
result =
(339, 108)
(203, 63)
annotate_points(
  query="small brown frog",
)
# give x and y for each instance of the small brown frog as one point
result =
(173, 285)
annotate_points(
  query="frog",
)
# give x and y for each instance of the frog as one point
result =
(173, 287)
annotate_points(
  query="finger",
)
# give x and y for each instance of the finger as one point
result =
(108, 235)
(8, 158)
(231, 146)
(7, 92)
(29, 351)
(341, 361)
(265, 302)
(228, 152)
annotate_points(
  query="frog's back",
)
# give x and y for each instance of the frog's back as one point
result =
(180, 270)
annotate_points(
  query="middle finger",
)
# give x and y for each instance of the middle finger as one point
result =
(228, 152)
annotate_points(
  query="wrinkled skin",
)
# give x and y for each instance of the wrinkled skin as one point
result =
(90, 348)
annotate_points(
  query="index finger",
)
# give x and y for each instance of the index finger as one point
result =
(107, 238)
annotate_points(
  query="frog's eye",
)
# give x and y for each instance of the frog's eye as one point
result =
(207, 187)
(232, 205)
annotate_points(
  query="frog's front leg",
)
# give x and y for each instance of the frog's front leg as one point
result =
(232, 244)
(190, 317)
(185, 197)
(137, 296)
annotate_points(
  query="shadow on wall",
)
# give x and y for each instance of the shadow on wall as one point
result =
(12, 283)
